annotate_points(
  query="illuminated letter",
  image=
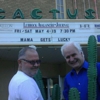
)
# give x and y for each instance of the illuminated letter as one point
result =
(18, 14)
(2, 11)
(90, 15)
(34, 14)
(54, 11)
(72, 16)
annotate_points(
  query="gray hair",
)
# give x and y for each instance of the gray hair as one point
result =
(77, 45)
(23, 50)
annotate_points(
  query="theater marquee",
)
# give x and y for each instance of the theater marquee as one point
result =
(47, 32)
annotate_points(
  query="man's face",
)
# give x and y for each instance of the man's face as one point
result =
(30, 63)
(73, 57)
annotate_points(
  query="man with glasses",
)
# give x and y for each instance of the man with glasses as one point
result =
(22, 85)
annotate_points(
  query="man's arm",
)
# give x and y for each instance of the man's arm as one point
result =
(28, 91)
(98, 72)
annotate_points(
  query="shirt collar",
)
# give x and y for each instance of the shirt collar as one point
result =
(84, 66)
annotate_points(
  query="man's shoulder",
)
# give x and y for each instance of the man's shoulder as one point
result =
(68, 74)
(98, 64)
(19, 78)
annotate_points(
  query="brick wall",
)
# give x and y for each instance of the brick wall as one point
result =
(83, 5)
(27, 6)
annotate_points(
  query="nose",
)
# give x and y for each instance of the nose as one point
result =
(71, 58)
(36, 64)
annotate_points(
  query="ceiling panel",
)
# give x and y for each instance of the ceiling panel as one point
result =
(48, 54)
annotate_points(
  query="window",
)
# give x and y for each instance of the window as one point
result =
(60, 7)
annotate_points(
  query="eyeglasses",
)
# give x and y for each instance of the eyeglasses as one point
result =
(32, 62)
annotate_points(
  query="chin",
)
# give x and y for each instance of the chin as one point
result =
(74, 67)
(32, 75)
(35, 72)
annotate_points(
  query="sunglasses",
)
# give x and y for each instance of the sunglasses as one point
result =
(32, 62)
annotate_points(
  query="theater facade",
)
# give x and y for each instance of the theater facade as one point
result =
(47, 24)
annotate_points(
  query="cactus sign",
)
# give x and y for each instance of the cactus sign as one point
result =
(35, 14)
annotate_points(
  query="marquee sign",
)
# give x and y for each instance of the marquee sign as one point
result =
(47, 32)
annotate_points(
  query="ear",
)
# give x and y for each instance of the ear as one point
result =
(19, 61)
(82, 54)
(19, 64)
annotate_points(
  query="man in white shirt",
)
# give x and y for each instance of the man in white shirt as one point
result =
(22, 86)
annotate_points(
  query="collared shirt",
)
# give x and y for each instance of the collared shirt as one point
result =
(23, 87)
(80, 81)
